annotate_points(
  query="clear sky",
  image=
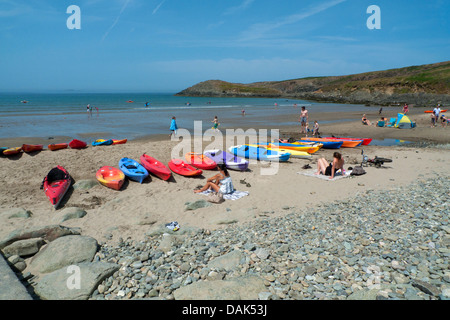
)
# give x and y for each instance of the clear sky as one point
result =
(169, 45)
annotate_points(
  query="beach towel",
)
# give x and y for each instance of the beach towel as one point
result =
(235, 195)
(337, 176)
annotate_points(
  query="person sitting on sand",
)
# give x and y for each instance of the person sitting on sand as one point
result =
(221, 182)
(444, 120)
(365, 121)
(330, 169)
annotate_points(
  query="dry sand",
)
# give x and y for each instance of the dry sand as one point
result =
(137, 208)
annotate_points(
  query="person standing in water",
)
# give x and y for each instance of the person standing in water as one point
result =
(216, 123)
(303, 119)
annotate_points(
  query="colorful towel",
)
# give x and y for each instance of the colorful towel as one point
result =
(235, 195)
(337, 176)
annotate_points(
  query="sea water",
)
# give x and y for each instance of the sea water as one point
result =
(125, 115)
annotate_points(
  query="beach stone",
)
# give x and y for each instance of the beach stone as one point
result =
(364, 295)
(242, 288)
(70, 213)
(63, 252)
(63, 285)
(24, 248)
(426, 287)
(16, 213)
(48, 233)
(228, 261)
(85, 184)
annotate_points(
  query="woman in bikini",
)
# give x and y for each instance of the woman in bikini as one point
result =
(330, 169)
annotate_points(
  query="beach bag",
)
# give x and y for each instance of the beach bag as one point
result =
(358, 171)
(215, 197)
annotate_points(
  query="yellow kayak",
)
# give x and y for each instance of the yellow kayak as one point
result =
(294, 153)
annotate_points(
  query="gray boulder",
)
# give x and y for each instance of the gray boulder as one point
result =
(24, 248)
(16, 213)
(63, 252)
(69, 213)
(228, 261)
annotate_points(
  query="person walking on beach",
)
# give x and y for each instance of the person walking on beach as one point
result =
(173, 127)
(216, 123)
(330, 169)
(303, 119)
(405, 108)
(436, 112)
(316, 129)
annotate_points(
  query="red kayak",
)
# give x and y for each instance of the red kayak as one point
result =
(56, 184)
(155, 167)
(200, 161)
(77, 144)
(182, 168)
(32, 147)
(366, 141)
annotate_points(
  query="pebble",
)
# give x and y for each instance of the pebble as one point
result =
(391, 246)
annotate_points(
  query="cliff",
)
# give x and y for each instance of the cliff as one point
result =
(423, 85)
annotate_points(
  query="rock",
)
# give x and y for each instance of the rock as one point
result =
(243, 288)
(167, 242)
(74, 283)
(48, 233)
(197, 205)
(426, 287)
(228, 261)
(364, 295)
(262, 253)
(24, 248)
(63, 252)
(16, 213)
(70, 213)
(85, 184)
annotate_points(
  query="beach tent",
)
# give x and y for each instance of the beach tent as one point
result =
(403, 122)
(391, 122)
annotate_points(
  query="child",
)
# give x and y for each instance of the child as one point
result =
(173, 127)
(307, 129)
(216, 123)
(316, 129)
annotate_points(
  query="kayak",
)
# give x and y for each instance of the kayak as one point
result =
(32, 147)
(77, 144)
(345, 143)
(431, 111)
(57, 146)
(110, 177)
(200, 161)
(294, 153)
(259, 153)
(133, 169)
(365, 141)
(155, 167)
(12, 151)
(123, 141)
(184, 169)
(327, 144)
(310, 148)
(102, 142)
(231, 161)
(56, 184)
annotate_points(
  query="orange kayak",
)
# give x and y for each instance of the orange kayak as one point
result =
(123, 141)
(110, 177)
(345, 143)
(184, 169)
(431, 111)
(58, 146)
(200, 161)
(32, 147)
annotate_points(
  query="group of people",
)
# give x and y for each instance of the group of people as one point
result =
(90, 108)
(436, 116)
(304, 117)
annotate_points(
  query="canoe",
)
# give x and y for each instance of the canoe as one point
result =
(12, 151)
(345, 143)
(184, 169)
(102, 142)
(327, 144)
(57, 146)
(155, 167)
(431, 111)
(123, 141)
(365, 141)
(77, 144)
(133, 169)
(310, 148)
(294, 153)
(110, 177)
(258, 153)
(231, 161)
(32, 147)
(200, 161)
(56, 184)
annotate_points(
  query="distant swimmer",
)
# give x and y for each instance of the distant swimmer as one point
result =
(146, 104)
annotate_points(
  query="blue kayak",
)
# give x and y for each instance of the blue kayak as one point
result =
(133, 169)
(102, 142)
(326, 144)
(250, 152)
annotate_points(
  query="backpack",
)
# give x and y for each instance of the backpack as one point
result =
(358, 171)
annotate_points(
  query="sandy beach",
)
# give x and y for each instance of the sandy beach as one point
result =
(137, 208)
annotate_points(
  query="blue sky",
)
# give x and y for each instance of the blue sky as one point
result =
(169, 45)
